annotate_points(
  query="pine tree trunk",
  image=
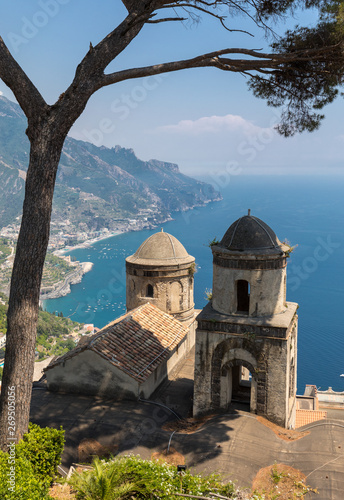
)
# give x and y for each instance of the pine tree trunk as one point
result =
(22, 313)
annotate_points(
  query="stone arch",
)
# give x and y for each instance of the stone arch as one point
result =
(235, 383)
(238, 362)
(228, 355)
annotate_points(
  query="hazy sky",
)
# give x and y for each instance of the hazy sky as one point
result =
(203, 119)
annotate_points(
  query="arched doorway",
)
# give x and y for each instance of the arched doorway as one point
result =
(234, 378)
(238, 384)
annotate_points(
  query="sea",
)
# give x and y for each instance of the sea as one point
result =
(306, 211)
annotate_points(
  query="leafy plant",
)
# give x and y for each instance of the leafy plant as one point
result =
(42, 447)
(208, 294)
(103, 482)
(26, 484)
(290, 249)
(132, 477)
(192, 269)
(276, 476)
(27, 471)
(213, 242)
(250, 335)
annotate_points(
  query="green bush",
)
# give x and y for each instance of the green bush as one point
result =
(26, 485)
(132, 477)
(103, 482)
(42, 447)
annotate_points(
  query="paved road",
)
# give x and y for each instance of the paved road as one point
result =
(60, 291)
(235, 444)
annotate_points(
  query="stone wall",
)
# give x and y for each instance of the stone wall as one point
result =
(270, 360)
(266, 277)
(172, 289)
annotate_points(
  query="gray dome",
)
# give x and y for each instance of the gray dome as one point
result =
(250, 234)
(161, 249)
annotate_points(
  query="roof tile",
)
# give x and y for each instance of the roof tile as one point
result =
(136, 343)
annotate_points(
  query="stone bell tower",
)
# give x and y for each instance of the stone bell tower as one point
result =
(246, 340)
(162, 272)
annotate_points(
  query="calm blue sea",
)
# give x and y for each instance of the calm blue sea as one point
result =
(307, 211)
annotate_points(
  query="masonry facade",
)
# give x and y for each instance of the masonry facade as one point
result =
(162, 272)
(246, 339)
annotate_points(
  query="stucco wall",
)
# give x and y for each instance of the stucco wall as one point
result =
(267, 290)
(88, 373)
(277, 382)
(173, 289)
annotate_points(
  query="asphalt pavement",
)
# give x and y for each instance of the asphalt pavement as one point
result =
(234, 444)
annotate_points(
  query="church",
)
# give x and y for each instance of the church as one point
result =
(245, 338)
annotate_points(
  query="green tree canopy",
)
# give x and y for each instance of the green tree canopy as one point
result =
(306, 85)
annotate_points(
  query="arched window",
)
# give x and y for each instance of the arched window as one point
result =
(243, 296)
(149, 291)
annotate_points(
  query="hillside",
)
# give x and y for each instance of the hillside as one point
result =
(96, 186)
(57, 271)
(55, 334)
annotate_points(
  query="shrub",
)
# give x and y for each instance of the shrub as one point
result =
(27, 486)
(42, 447)
(143, 479)
(103, 482)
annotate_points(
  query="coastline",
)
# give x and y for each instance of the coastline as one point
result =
(92, 241)
(87, 243)
(63, 288)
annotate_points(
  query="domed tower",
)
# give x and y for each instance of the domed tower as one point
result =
(246, 340)
(249, 270)
(161, 272)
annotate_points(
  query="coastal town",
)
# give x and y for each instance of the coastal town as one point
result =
(65, 237)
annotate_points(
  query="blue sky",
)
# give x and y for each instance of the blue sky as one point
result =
(205, 120)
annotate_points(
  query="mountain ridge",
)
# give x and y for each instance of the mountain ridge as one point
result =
(95, 186)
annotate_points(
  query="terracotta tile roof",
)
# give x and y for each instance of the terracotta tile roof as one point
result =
(304, 417)
(136, 343)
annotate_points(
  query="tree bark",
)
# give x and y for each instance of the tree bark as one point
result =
(45, 152)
